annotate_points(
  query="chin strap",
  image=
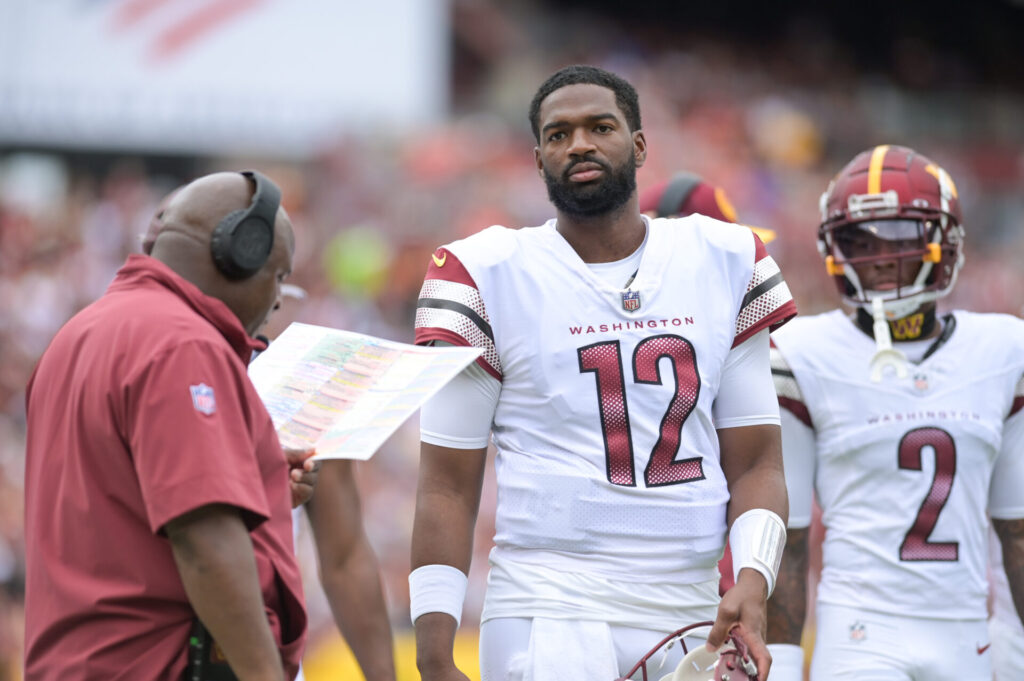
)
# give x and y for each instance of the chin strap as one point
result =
(885, 356)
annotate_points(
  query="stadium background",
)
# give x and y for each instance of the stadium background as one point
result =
(401, 125)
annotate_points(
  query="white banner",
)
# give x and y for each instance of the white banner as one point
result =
(274, 77)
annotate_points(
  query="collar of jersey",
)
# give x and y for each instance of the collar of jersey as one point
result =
(652, 260)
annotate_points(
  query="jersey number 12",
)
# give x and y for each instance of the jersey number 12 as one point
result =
(605, 361)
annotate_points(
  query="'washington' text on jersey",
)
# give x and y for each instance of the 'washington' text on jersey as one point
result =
(630, 325)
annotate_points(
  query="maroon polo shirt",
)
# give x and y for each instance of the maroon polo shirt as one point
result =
(138, 412)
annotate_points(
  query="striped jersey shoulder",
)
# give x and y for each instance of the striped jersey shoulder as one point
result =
(450, 306)
(788, 390)
(768, 303)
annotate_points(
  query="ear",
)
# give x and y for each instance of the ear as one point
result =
(538, 161)
(639, 148)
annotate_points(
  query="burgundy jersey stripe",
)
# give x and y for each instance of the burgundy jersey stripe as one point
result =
(797, 409)
(444, 265)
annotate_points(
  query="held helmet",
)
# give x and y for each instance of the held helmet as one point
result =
(731, 662)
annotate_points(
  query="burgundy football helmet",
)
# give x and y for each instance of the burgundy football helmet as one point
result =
(685, 194)
(892, 205)
(731, 662)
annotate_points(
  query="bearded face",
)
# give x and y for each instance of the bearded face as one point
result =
(610, 190)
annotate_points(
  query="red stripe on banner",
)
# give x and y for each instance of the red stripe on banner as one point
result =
(797, 409)
(134, 11)
(196, 25)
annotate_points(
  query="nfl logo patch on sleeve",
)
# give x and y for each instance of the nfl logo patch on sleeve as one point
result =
(203, 399)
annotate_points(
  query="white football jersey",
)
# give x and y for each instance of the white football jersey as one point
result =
(606, 450)
(904, 467)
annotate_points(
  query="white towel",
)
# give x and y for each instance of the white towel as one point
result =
(570, 650)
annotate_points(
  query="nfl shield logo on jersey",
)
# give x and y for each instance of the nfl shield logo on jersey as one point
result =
(203, 399)
(630, 300)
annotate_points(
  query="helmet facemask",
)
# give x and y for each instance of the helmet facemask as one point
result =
(917, 227)
(892, 240)
(897, 260)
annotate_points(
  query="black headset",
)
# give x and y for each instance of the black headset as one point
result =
(677, 191)
(242, 241)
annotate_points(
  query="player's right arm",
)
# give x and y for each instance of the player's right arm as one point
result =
(455, 428)
(787, 607)
(447, 500)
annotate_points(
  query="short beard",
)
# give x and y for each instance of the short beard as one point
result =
(593, 198)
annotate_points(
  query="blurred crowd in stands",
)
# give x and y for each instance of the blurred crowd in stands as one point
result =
(368, 212)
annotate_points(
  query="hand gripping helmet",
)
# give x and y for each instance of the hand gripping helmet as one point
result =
(897, 196)
(731, 662)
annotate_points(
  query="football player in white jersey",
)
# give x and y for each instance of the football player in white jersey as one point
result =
(625, 380)
(909, 446)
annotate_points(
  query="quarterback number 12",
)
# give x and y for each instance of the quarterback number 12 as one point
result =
(605, 361)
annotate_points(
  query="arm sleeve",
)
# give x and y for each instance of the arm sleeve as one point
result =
(1005, 500)
(189, 435)
(768, 303)
(460, 414)
(746, 396)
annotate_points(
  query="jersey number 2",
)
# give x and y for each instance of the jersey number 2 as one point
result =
(605, 360)
(915, 545)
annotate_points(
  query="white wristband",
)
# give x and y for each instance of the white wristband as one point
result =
(787, 662)
(756, 539)
(437, 588)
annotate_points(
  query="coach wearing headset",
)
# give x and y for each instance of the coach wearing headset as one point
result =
(145, 437)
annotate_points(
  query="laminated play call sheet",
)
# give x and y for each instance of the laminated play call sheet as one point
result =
(345, 393)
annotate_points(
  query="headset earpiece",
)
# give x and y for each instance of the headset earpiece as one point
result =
(243, 240)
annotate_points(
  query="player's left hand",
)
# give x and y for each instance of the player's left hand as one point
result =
(744, 608)
(302, 472)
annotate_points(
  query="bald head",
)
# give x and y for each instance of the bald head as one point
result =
(183, 243)
(197, 208)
